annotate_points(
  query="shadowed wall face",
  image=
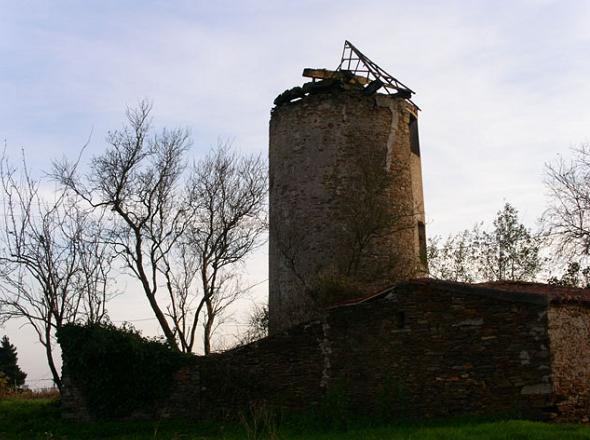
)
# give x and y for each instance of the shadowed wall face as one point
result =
(428, 349)
(346, 204)
(424, 348)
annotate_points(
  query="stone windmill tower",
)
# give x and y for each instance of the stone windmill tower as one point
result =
(346, 202)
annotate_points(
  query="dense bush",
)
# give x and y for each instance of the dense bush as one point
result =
(117, 370)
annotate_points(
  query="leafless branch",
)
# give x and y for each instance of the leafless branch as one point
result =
(54, 271)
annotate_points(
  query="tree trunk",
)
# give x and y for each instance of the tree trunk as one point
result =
(150, 294)
(208, 327)
(50, 361)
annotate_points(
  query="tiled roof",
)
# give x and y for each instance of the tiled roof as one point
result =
(516, 291)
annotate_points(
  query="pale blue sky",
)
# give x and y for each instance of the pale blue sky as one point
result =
(504, 85)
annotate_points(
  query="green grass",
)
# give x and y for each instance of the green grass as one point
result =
(40, 419)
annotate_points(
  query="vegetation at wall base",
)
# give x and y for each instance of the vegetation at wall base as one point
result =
(41, 420)
(119, 372)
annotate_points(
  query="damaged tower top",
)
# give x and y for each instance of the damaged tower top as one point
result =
(355, 71)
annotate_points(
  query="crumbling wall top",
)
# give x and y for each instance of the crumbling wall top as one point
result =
(355, 72)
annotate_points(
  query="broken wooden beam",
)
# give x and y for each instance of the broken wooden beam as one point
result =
(342, 75)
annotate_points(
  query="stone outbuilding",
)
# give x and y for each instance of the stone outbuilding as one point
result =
(422, 348)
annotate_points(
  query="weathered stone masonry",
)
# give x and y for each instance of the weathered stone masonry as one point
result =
(327, 151)
(426, 348)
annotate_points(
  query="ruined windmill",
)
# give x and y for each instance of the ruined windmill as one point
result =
(346, 203)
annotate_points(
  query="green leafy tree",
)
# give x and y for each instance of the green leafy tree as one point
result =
(15, 377)
(257, 326)
(451, 258)
(574, 275)
(509, 251)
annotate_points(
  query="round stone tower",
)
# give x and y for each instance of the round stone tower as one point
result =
(346, 203)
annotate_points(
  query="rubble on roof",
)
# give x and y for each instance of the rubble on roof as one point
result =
(355, 72)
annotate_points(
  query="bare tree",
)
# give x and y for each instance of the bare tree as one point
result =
(453, 258)
(54, 270)
(178, 234)
(227, 194)
(371, 211)
(366, 217)
(136, 179)
(567, 219)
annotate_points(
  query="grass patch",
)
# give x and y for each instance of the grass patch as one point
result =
(40, 419)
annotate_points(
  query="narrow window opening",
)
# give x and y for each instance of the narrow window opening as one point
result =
(401, 320)
(422, 241)
(414, 138)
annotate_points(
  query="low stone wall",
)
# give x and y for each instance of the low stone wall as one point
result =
(72, 400)
(425, 349)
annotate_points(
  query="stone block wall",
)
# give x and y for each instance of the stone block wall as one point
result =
(569, 329)
(449, 349)
(73, 402)
(422, 349)
(426, 349)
